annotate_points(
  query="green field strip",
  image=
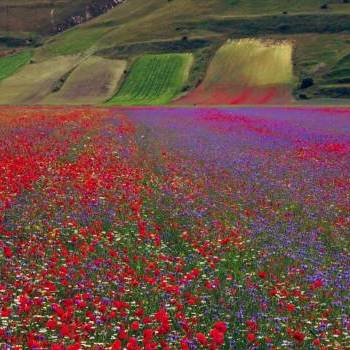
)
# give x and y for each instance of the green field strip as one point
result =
(154, 80)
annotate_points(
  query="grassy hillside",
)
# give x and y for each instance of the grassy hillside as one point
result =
(10, 64)
(138, 20)
(94, 81)
(154, 79)
(155, 26)
(43, 16)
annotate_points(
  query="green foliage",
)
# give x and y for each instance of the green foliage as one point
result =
(10, 64)
(154, 80)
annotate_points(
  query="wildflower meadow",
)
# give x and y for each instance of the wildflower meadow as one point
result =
(174, 228)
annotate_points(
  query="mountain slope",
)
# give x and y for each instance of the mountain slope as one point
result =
(48, 16)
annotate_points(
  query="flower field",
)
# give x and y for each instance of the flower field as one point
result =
(174, 228)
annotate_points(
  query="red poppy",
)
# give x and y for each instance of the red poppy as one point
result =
(75, 346)
(253, 326)
(221, 326)
(251, 337)
(135, 326)
(202, 339)
(298, 336)
(316, 342)
(51, 323)
(117, 345)
(262, 274)
(7, 252)
(65, 331)
(217, 337)
(317, 284)
(123, 335)
(132, 344)
(184, 345)
(6, 312)
(56, 347)
(291, 307)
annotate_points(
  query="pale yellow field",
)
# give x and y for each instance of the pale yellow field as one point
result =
(94, 81)
(251, 62)
(32, 83)
(247, 71)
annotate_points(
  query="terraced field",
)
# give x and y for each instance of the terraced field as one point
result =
(93, 82)
(32, 83)
(247, 71)
(154, 79)
(10, 64)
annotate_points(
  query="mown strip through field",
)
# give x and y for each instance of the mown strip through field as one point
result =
(154, 79)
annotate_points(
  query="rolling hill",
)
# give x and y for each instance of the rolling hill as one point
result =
(319, 35)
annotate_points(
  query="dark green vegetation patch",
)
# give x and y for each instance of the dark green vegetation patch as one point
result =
(10, 64)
